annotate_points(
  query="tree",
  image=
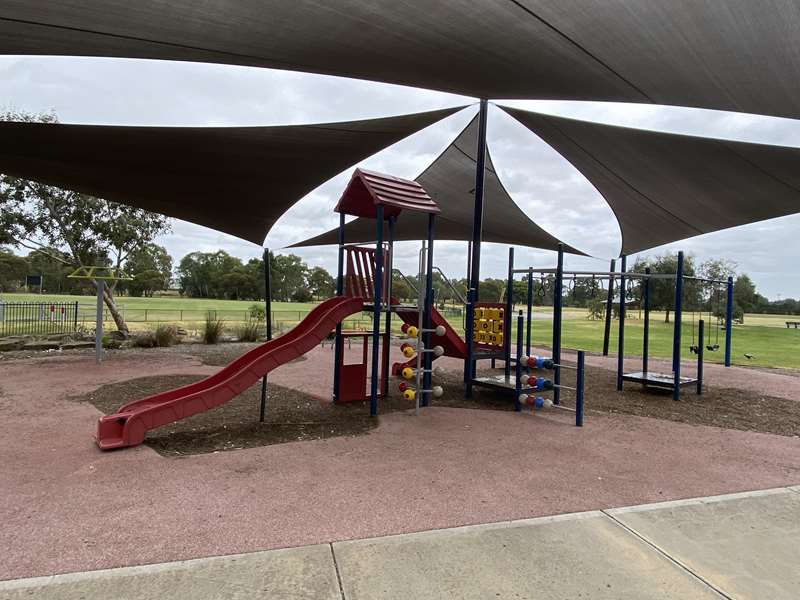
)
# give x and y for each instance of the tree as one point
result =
(151, 269)
(662, 291)
(218, 275)
(288, 275)
(320, 283)
(88, 231)
(13, 270)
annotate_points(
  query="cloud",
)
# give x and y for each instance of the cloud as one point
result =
(547, 187)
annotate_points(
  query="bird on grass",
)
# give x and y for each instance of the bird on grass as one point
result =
(748, 356)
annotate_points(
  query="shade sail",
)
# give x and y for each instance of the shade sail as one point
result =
(450, 181)
(741, 55)
(665, 187)
(239, 180)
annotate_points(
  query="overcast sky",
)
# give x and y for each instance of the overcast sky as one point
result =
(548, 188)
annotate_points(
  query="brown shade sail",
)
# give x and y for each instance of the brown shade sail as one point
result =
(665, 187)
(239, 180)
(450, 181)
(741, 55)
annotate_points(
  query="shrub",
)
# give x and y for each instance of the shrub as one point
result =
(212, 329)
(166, 335)
(145, 340)
(249, 331)
(256, 312)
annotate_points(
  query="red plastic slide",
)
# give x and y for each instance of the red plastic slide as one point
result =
(128, 426)
(452, 343)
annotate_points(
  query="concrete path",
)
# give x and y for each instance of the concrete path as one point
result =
(738, 546)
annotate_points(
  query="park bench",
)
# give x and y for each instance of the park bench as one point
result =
(794, 324)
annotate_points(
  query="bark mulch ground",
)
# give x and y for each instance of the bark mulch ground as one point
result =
(295, 416)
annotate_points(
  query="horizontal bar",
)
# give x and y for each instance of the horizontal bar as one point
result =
(564, 387)
(617, 275)
(573, 367)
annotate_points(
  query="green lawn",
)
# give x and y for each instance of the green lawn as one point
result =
(763, 336)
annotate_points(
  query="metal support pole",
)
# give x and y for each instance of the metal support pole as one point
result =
(609, 304)
(509, 310)
(621, 336)
(557, 302)
(428, 323)
(700, 348)
(579, 385)
(388, 329)
(376, 313)
(518, 365)
(646, 333)
(268, 320)
(477, 230)
(676, 337)
(98, 331)
(529, 325)
(469, 331)
(338, 346)
(728, 322)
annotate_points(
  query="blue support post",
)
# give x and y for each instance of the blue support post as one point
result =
(646, 334)
(268, 320)
(376, 313)
(469, 330)
(477, 231)
(509, 309)
(388, 330)
(428, 316)
(579, 385)
(338, 346)
(701, 346)
(557, 305)
(609, 305)
(621, 340)
(518, 365)
(676, 336)
(728, 322)
(529, 325)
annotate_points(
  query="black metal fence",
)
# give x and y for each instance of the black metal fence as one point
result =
(37, 318)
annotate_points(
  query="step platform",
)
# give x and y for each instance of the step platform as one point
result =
(664, 381)
(501, 383)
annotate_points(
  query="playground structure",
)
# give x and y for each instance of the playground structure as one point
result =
(363, 284)
(673, 381)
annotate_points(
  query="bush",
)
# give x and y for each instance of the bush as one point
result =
(145, 340)
(256, 312)
(212, 329)
(166, 335)
(249, 331)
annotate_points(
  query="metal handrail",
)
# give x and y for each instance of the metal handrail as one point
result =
(407, 280)
(450, 285)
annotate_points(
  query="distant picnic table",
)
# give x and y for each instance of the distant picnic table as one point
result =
(794, 324)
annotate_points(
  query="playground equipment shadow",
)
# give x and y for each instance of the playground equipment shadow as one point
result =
(66, 506)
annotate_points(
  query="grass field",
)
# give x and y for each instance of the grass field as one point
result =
(763, 336)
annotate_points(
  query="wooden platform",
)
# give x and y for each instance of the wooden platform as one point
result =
(657, 380)
(500, 382)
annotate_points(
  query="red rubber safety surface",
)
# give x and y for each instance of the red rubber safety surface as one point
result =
(128, 426)
(66, 506)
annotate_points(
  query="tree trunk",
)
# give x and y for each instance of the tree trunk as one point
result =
(119, 320)
(666, 319)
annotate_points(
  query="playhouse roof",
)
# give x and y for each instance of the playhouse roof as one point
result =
(239, 180)
(665, 187)
(738, 55)
(368, 189)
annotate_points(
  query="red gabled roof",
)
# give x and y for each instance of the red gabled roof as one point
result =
(367, 189)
